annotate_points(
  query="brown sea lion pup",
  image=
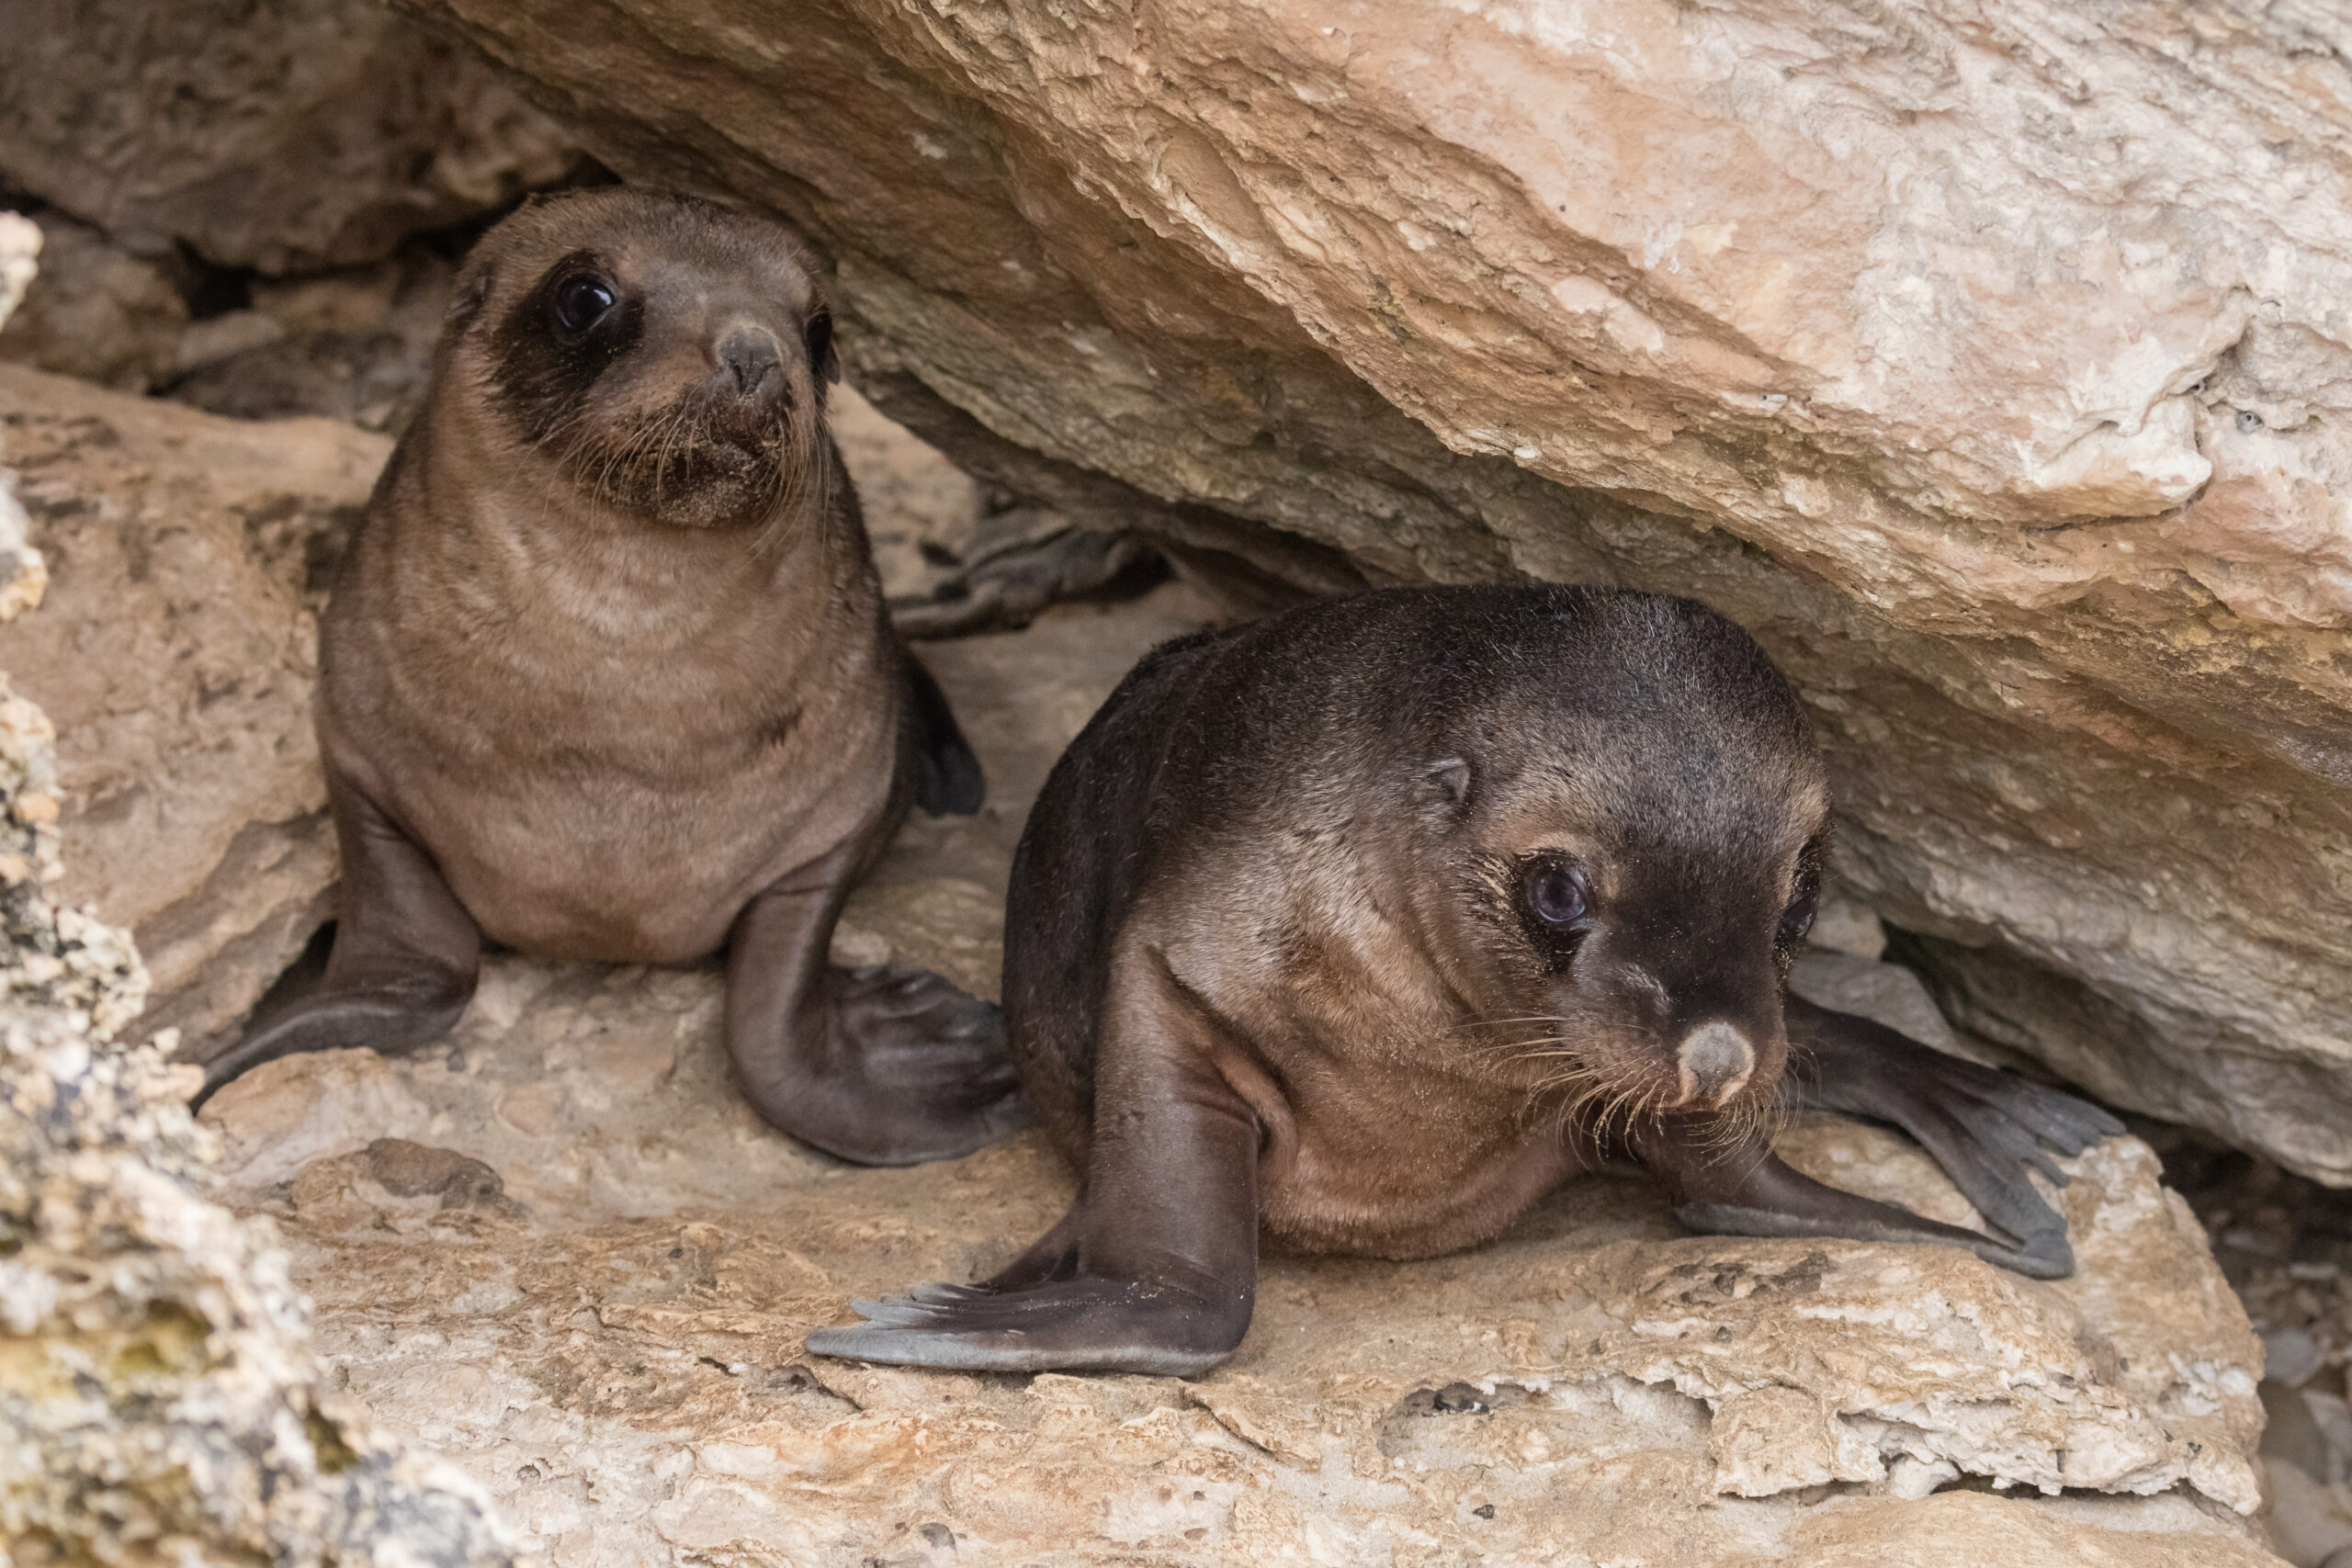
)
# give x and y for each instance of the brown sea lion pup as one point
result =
(1372, 923)
(607, 675)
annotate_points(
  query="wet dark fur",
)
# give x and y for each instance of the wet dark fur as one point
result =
(1197, 739)
(1277, 957)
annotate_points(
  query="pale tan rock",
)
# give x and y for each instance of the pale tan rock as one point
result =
(287, 135)
(1989, 361)
(617, 1358)
(19, 248)
(176, 651)
(98, 313)
(159, 1397)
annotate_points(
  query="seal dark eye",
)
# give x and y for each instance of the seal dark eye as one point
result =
(1796, 920)
(1556, 896)
(581, 302)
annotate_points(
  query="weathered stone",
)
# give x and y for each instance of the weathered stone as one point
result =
(563, 1252)
(97, 311)
(286, 135)
(354, 345)
(176, 651)
(19, 248)
(158, 1399)
(1990, 359)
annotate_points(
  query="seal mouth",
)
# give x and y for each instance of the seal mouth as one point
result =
(700, 463)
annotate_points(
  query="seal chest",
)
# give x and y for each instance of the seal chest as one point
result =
(1366, 924)
(607, 675)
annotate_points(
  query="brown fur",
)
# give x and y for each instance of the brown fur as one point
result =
(607, 675)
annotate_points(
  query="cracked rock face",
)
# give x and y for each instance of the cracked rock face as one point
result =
(283, 135)
(560, 1250)
(175, 650)
(1990, 361)
(159, 1398)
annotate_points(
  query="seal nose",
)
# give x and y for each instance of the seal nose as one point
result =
(1715, 1060)
(751, 360)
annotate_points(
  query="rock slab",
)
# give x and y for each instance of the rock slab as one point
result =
(562, 1251)
(176, 651)
(159, 1398)
(1991, 360)
(283, 135)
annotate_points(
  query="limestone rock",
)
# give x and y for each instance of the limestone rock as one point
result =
(1991, 361)
(286, 135)
(20, 247)
(560, 1250)
(176, 651)
(97, 311)
(158, 1399)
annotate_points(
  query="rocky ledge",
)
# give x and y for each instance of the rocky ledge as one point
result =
(560, 1251)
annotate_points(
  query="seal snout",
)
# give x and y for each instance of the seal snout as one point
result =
(749, 361)
(1715, 1060)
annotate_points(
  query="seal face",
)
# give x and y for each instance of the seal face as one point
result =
(607, 675)
(1369, 923)
(672, 370)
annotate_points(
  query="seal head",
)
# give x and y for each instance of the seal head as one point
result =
(1629, 859)
(672, 365)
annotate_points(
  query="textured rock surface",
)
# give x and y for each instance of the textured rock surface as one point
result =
(278, 134)
(97, 311)
(563, 1252)
(158, 1399)
(175, 654)
(1989, 357)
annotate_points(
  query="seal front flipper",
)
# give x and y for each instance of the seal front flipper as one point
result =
(1154, 1270)
(1746, 1190)
(947, 776)
(888, 1065)
(404, 961)
(1986, 1128)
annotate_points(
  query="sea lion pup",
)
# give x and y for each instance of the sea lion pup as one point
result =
(1373, 922)
(607, 675)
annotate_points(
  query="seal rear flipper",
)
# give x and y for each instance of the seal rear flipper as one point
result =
(947, 778)
(888, 1065)
(391, 1018)
(1986, 1128)
(1750, 1192)
(406, 957)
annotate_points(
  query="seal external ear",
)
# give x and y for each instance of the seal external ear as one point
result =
(465, 300)
(1449, 780)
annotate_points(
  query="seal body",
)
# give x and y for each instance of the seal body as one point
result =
(1366, 925)
(607, 675)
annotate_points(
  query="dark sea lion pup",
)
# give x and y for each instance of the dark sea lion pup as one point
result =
(607, 675)
(1373, 922)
